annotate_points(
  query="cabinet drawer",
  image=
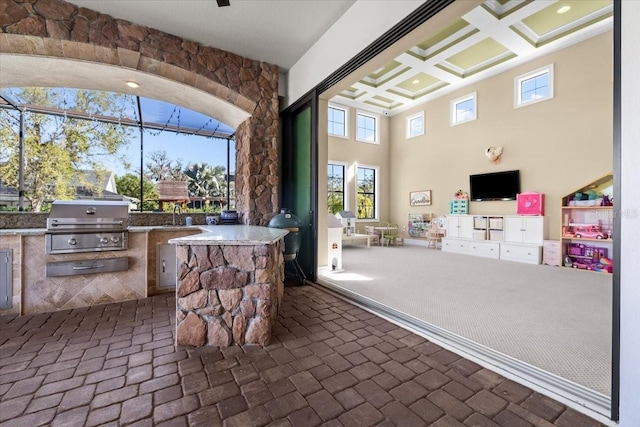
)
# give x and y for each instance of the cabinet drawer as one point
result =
(455, 245)
(521, 253)
(485, 249)
(551, 259)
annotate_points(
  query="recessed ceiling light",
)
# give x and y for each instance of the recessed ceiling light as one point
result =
(416, 81)
(564, 9)
(132, 84)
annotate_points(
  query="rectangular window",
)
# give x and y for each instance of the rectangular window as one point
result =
(367, 127)
(533, 87)
(337, 120)
(415, 125)
(464, 109)
(367, 186)
(336, 195)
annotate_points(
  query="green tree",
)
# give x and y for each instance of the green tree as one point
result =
(58, 147)
(335, 197)
(365, 199)
(129, 185)
(162, 168)
(205, 180)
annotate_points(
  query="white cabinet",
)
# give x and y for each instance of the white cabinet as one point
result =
(530, 254)
(524, 229)
(485, 249)
(460, 226)
(508, 237)
(458, 246)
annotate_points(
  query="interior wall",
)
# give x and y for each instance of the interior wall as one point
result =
(558, 145)
(322, 250)
(360, 26)
(353, 152)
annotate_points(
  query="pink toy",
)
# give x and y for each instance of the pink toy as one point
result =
(530, 203)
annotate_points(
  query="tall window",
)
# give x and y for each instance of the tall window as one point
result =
(367, 127)
(367, 184)
(415, 125)
(534, 87)
(464, 109)
(336, 192)
(338, 119)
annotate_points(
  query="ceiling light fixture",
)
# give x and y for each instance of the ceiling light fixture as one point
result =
(132, 84)
(564, 9)
(416, 81)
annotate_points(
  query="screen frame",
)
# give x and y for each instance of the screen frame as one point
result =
(475, 179)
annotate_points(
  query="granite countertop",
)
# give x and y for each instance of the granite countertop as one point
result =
(135, 229)
(21, 231)
(210, 234)
(238, 235)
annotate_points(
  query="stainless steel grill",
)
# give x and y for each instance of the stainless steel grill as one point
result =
(86, 226)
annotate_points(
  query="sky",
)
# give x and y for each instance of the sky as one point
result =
(188, 148)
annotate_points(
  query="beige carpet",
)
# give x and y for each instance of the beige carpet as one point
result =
(557, 319)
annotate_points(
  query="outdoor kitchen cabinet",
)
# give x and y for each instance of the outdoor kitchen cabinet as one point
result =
(166, 267)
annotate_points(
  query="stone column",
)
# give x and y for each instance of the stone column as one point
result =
(228, 295)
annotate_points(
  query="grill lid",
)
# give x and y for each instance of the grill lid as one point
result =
(88, 215)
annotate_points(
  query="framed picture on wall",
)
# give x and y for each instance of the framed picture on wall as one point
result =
(420, 198)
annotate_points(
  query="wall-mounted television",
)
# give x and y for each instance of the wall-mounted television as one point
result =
(495, 186)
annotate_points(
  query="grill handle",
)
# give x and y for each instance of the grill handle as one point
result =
(56, 223)
(89, 267)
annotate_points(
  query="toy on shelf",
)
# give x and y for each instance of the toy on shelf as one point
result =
(588, 258)
(604, 265)
(530, 203)
(584, 231)
(460, 195)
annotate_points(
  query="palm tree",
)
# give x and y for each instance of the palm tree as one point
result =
(205, 180)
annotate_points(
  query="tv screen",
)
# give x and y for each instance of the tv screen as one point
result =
(495, 186)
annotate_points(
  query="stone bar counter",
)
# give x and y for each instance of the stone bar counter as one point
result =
(230, 285)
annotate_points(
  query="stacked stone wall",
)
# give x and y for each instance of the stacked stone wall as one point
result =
(57, 29)
(228, 295)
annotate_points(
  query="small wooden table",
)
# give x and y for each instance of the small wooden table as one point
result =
(355, 236)
(381, 231)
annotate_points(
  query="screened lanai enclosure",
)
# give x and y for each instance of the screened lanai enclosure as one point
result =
(67, 143)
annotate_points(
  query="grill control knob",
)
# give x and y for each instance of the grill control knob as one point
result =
(72, 242)
(115, 239)
(104, 240)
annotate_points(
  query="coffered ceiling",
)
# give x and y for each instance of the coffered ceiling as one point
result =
(490, 39)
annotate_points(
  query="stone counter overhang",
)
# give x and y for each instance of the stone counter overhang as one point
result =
(230, 283)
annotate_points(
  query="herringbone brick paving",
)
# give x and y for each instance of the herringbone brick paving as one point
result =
(330, 363)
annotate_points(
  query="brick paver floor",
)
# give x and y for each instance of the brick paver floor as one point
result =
(330, 363)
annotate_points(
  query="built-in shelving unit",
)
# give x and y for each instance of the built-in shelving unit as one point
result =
(587, 227)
